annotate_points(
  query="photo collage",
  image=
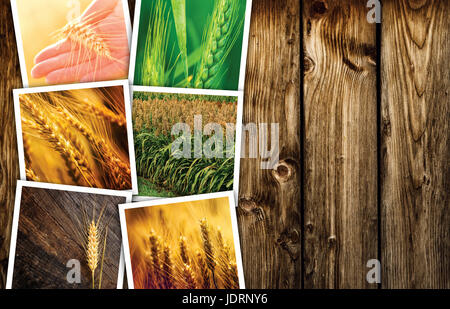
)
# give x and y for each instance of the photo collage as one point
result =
(129, 143)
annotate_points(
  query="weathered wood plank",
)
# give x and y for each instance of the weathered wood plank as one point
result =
(9, 169)
(415, 132)
(269, 203)
(340, 144)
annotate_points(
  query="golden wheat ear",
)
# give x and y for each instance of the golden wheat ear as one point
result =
(189, 277)
(167, 270)
(83, 32)
(206, 281)
(54, 132)
(155, 252)
(30, 173)
(118, 171)
(208, 248)
(183, 250)
(92, 250)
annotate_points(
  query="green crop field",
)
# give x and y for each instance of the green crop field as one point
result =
(161, 172)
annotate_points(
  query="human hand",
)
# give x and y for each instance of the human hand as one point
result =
(93, 48)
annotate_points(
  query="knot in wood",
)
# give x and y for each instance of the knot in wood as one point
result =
(250, 207)
(370, 52)
(318, 8)
(288, 241)
(284, 170)
(308, 65)
(386, 129)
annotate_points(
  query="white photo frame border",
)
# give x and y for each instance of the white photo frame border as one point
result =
(49, 186)
(167, 202)
(19, 41)
(94, 85)
(244, 49)
(239, 119)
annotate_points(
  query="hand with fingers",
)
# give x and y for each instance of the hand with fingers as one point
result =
(94, 47)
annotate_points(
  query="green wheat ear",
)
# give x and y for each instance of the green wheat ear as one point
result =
(219, 39)
(156, 43)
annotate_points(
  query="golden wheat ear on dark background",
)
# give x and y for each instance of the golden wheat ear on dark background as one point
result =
(72, 226)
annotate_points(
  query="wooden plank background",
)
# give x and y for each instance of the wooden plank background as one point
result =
(415, 181)
(364, 173)
(340, 105)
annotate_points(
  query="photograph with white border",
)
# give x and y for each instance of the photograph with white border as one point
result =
(77, 134)
(166, 28)
(65, 237)
(187, 141)
(72, 41)
(182, 243)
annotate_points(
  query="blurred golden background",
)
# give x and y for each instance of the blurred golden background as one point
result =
(38, 20)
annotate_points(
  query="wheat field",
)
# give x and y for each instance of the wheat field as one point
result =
(187, 245)
(76, 137)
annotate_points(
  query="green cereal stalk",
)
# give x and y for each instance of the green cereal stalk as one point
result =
(219, 39)
(154, 67)
(179, 14)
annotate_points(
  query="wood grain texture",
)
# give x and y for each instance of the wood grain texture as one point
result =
(9, 168)
(415, 173)
(269, 203)
(340, 144)
(50, 234)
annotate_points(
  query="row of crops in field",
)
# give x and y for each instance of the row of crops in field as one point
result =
(144, 96)
(154, 115)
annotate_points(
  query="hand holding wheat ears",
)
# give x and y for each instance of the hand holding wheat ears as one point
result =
(91, 48)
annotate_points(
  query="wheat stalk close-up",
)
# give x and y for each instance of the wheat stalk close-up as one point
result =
(65, 127)
(219, 40)
(49, 129)
(208, 248)
(154, 67)
(92, 249)
(92, 232)
(180, 49)
(115, 167)
(84, 35)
